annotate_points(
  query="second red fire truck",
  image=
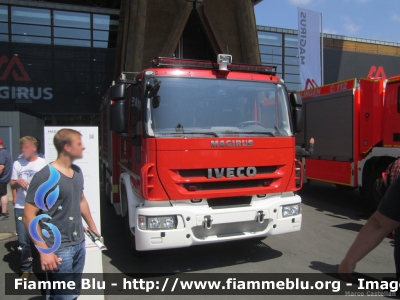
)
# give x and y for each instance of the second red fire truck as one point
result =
(197, 152)
(356, 124)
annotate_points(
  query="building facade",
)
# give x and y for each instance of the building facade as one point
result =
(56, 59)
(344, 57)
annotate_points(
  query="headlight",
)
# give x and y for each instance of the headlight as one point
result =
(290, 210)
(154, 223)
(169, 222)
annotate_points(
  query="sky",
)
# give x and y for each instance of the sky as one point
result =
(371, 19)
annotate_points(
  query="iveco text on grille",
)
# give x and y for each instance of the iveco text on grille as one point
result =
(231, 172)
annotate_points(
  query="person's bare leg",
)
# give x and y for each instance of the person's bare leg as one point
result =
(4, 204)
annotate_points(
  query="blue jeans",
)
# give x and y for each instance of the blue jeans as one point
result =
(70, 269)
(24, 241)
(397, 251)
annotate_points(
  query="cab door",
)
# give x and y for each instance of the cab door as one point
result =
(125, 158)
(136, 133)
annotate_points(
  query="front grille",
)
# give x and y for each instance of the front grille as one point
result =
(230, 229)
(266, 170)
(193, 173)
(229, 201)
(222, 185)
(204, 172)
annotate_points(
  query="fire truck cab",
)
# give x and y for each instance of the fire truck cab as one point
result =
(197, 152)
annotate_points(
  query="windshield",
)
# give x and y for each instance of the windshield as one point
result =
(216, 107)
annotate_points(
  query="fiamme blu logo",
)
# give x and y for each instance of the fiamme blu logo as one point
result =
(45, 203)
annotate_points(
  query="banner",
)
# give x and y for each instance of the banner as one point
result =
(309, 41)
(89, 165)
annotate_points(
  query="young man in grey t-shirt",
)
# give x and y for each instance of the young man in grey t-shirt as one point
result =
(55, 205)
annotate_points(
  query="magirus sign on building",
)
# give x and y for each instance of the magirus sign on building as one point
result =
(54, 80)
(13, 67)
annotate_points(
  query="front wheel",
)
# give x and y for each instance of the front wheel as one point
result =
(257, 239)
(131, 239)
(130, 236)
(345, 188)
(307, 184)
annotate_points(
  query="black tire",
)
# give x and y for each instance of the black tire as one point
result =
(132, 241)
(307, 184)
(259, 239)
(345, 187)
(130, 236)
(104, 184)
(103, 175)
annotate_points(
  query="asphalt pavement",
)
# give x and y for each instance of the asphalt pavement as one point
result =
(331, 219)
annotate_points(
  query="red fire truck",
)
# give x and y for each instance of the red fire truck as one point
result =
(356, 125)
(196, 152)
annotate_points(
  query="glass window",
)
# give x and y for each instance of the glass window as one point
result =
(291, 40)
(3, 13)
(100, 35)
(271, 59)
(292, 78)
(72, 33)
(291, 60)
(30, 30)
(278, 67)
(292, 69)
(104, 44)
(105, 22)
(136, 111)
(100, 44)
(71, 19)
(293, 86)
(3, 28)
(292, 52)
(271, 50)
(270, 38)
(30, 39)
(30, 15)
(71, 42)
(4, 37)
(222, 107)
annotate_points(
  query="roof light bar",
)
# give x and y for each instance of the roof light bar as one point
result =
(270, 70)
(166, 62)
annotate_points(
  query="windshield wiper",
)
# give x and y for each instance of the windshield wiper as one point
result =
(183, 133)
(255, 132)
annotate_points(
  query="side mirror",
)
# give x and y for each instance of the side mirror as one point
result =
(298, 119)
(118, 116)
(295, 100)
(136, 141)
(156, 101)
(116, 92)
(153, 88)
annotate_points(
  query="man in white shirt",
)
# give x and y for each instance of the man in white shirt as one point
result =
(23, 170)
